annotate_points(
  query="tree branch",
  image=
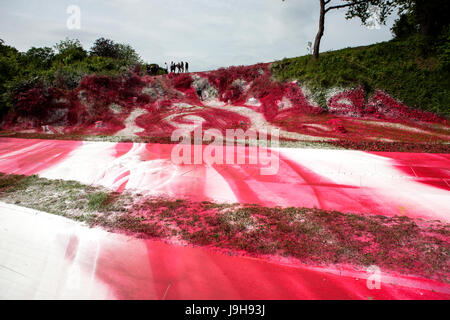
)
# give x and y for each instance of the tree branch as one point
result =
(343, 5)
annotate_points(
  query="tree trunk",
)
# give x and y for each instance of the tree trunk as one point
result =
(430, 16)
(321, 30)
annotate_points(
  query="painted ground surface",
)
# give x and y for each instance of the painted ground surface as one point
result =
(48, 257)
(235, 98)
(415, 185)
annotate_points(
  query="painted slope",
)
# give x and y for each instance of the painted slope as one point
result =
(71, 261)
(416, 185)
(236, 97)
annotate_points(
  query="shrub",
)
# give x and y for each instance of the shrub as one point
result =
(182, 81)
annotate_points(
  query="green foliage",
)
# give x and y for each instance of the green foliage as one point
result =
(70, 51)
(9, 67)
(444, 49)
(428, 16)
(404, 27)
(408, 70)
(38, 58)
(128, 55)
(61, 67)
(105, 48)
(109, 49)
(360, 9)
(431, 16)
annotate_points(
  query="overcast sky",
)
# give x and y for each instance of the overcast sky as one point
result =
(207, 33)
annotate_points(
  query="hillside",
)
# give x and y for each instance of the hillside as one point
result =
(99, 149)
(381, 97)
(413, 71)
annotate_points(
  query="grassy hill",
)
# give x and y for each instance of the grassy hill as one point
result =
(413, 71)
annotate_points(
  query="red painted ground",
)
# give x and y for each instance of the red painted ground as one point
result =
(31, 156)
(415, 185)
(49, 257)
(102, 105)
(194, 273)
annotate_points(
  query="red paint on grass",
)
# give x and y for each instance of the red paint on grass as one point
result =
(151, 269)
(296, 185)
(172, 272)
(149, 168)
(122, 148)
(429, 169)
(101, 105)
(28, 157)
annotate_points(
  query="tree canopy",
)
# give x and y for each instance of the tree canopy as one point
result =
(429, 17)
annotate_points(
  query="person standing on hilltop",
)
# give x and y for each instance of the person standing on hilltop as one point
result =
(182, 66)
(186, 67)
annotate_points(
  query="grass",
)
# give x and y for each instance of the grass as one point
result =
(97, 200)
(67, 198)
(381, 146)
(286, 143)
(310, 235)
(408, 70)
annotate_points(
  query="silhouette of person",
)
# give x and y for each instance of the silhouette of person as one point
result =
(186, 66)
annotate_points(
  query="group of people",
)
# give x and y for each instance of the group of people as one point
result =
(178, 67)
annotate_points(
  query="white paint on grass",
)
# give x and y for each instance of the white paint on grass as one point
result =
(131, 128)
(258, 121)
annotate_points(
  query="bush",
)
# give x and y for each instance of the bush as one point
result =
(444, 49)
(32, 98)
(404, 27)
(182, 81)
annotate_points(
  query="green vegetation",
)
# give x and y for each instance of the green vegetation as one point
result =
(285, 143)
(311, 235)
(415, 71)
(62, 66)
(97, 200)
(67, 198)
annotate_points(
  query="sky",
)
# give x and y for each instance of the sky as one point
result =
(209, 34)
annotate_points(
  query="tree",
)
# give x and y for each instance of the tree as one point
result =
(105, 48)
(356, 8)
(359, 8)
(40, 57)
(70, 51)
(128, 55)
(123, 53)
(429, 17)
